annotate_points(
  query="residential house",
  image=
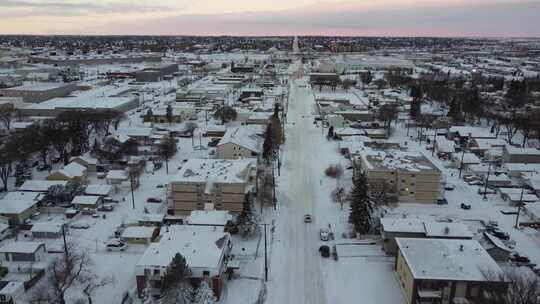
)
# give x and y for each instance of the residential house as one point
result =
(71, 172)
(82, 202)
(521, 155)
(239, 142)
(23, 251)
(87, 161)
(19, 206)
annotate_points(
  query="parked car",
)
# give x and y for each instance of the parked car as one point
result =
(44, 167)
(324, 234)
(307, 218)
(442, 201)
(106, 208)
(449, 187)
(325, 251)
(213, 142)
(154, 200)
(79, 226)
(108, 200)
(501, 235)
(465, 206)
(116, 245)
(158, 165)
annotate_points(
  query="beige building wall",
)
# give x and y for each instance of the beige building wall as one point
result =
(232, 151)
(186, 197)
(406, 279)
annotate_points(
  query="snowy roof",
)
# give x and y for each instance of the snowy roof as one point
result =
(17, 202)
(136, 132)
(397, 160)
(468, 158)
(47, 227)
(141, 232)
(21, 247)
(402, 225)
(37, 86)
(85, 200)
(522, 167)
(98, 190)
(215, 171)
(446, 259)
(534, 209)
(521, 151)
(447, 230)
(86, 158)
(40, 185)
(475, 132)
(73, 170)
(429, 228)
(444, 145)
(200, 247)
(241, 136)
(117, 174)
(213, 218)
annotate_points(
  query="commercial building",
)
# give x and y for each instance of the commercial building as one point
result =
(446, 271)
(156, 73)
(39, 91)
(204, 184)
(94, 59)
(411, 175)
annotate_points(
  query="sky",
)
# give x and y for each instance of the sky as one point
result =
(517, 18)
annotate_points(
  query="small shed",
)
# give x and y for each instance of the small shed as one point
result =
(139, 234)
(98, 190)
(47, 230)
(116, 177)
(86, 201)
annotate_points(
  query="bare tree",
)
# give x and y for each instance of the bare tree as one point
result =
(6, 115)
(72, 269)
(523, 286)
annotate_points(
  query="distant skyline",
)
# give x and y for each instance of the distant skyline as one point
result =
(472, 18)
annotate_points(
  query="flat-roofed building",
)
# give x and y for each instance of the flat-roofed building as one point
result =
(447, 271)
(39, 91)
(411, 174)
(219, 182)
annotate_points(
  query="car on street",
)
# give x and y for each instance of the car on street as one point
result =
(307, 218)
(449, 187)
(442, 201)
(465, 206)
(324, 234)
(116, 245)
(79, 226)
(324, 251)
(106, 207)
(154, 200)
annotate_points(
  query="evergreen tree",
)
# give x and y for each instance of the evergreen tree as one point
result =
(149, 116)
(169, 113)
(361, 207)
(247, 221)
(175, 286)
(331, 132)
(268, 145)
(204, 294)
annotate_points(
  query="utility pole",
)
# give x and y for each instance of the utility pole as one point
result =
(433, 143)
(519, 206)
(274, 186)
(265, 254)
(487, 180)
(64, 237)
(463, 154)
(132, 194)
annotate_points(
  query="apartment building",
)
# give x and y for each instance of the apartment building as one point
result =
(39, 91)
(411, 174)
(219, 184)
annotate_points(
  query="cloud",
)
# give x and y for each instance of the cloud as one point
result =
(415, 18)
(21, 8)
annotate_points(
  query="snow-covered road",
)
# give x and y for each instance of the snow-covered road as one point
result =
(295, 274)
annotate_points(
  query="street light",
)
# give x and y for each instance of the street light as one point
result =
(520, 204)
